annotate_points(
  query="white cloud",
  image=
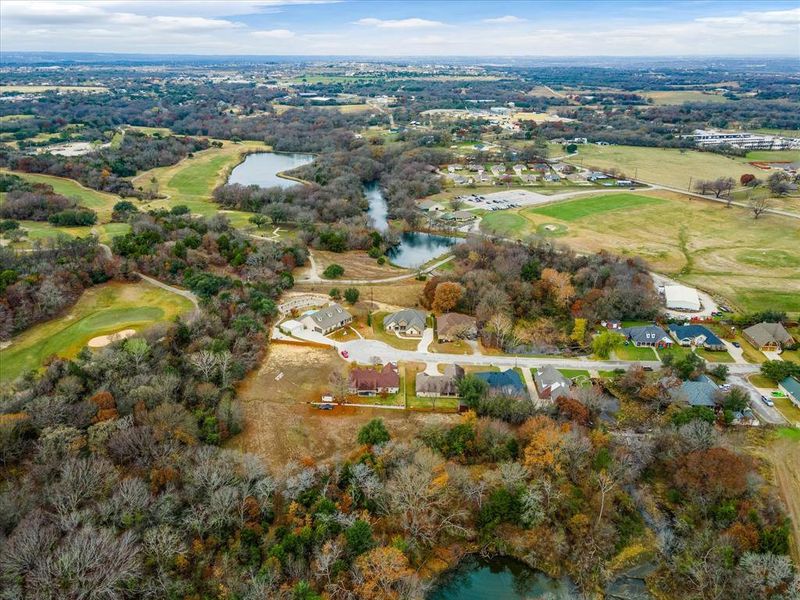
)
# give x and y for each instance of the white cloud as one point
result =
(278, 34)
(775, 17)
(505, 19)
(412, 23)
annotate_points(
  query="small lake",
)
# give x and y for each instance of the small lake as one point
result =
(499, 578)
(262, 168)
(415, 247)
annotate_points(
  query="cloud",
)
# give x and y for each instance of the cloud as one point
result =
(278, 34)
(412, 23)
(775, 17)
(505, 19)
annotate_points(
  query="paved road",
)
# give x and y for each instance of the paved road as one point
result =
(765, 413)
(165, 286)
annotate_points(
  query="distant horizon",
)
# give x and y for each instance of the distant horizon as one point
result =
(411, 28)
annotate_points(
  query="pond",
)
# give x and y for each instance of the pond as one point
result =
(415, 247)
(499, 578)
(262, 168)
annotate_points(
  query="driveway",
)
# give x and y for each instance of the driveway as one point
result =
(768, 414)
(736, 353)
(427, 339)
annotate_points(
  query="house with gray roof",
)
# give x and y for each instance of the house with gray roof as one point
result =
(651, 336)
(769, 337)
(551, 383)
(455, 326)
(327, 319)
(439, 386)
(407, 322)
(701, 392)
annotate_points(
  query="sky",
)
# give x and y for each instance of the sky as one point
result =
(405, 27)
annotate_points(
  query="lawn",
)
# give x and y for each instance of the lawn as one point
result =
(504, 223)
(774, 155)
(789, 433)
(631, 352)
(40, 230)
(667, 166)
(100, 202)
(571, 373)
(760, 381)
(101, 310)
(715, 357)
(787, 408)
(663, 98)
(573, 210)
(749, 263)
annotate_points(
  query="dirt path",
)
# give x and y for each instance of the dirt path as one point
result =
(785, 457)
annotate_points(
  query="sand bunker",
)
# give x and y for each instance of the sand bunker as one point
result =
(104, 340)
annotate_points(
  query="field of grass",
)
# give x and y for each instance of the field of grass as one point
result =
(571, 373)
(760, 381)
(662, 98)
(787, 408)
(631, 352)
(750, 263)
(714, 357)
(667, 166)
(12, 118)
(101, 310)
(504, 223)
(572, 210)
(789, 433)
(191, 181)
(100, 202)
(774, 155)
(39, 230)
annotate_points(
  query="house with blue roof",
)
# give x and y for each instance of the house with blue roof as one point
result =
(696, 335)
(504, 382)
(791, 387)
(700, 392)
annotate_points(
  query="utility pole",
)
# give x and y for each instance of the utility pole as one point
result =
(690, 184)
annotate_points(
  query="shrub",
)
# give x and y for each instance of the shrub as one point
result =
(333, 271)
(373, 433)
(351, 295)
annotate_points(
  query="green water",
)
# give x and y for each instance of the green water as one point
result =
(499, 578)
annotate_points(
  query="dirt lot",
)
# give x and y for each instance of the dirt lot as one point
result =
(281, 426)
(357, 265)
(404, 293)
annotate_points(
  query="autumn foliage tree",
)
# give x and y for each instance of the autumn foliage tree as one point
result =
(446, 296)
(713, 474)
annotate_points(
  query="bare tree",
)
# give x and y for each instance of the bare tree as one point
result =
(205, 362)
(759, 206)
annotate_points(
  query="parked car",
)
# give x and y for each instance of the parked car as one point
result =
(325, 406)
(767, 401)
(345, 354)
(736, 344)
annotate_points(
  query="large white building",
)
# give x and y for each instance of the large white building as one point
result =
(680, 297)
(747, 141)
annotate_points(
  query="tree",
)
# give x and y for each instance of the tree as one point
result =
(384, 574)
(778, 370)
(373, 433)
(571, 148)
(456, 203)
(605, 342)
(545, 438)
(559, 286)
(779, 183)
(713, 474)
(446, 296)
(736, 400)
(759, 206)
(472, 390)
(335, 293)
(340, 385)
(138, 349)
(578, 331)
(359, 537)
(746, 178)
(722, 185)
(351, 295)
(333, 271)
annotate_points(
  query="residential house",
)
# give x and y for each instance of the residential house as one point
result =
(407, 322)
(439, 386)
(791, 387)
(647, 335)
(701, 392)
(551, 384)
(696, 335)
(550, 177)
(367, 381)
(745, 417)
(612, 325)
(429, 206)
(540, 167)
(455, 326)
(504, 382)
(459, 216)
(769, 337)
(327, 319)
(518, 169)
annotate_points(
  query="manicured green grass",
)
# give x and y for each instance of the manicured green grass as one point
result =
(769, 258)
(573, 210)
(787, 408)
(677, 352)
(100, 202)
(379, 333)
(664, 98)
(504, 223)
(789, 433)
(38, 230)
(774, 155)
(754, 300)
(607, 374)
(760, 381)
(101, 310)
(715, 357)
(631, 352)
(571, 373)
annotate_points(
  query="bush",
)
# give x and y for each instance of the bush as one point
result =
(688, 415)
(74, 217)
(373, 433)
(333, 271)
(335, 293)
(778, 370)
(351, 295)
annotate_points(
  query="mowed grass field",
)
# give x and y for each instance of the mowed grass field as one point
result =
(662, 98)
(101, 310)
(100, 202)
(752, 264)
(191, 181)
(668, 166)
(39, 230)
